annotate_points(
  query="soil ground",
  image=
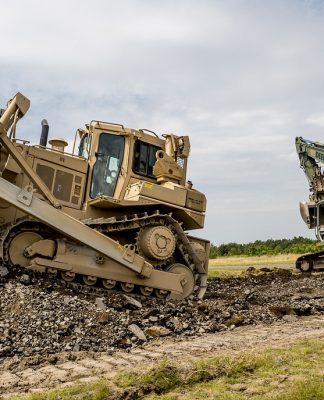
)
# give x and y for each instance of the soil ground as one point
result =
(254, 311)
(33, 374)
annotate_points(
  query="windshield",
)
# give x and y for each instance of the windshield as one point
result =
(107, 166)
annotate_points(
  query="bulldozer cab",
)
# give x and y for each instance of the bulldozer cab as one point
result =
(119, 157)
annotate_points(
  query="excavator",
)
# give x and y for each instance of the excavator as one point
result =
(311, 156)
(113, 213)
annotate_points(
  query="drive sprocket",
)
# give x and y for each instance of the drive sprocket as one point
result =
(156, 243)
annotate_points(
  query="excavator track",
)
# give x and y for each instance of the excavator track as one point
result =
(121, 225)
(311, 262)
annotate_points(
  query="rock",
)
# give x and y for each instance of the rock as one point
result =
(157, 330)
(280, 311)
(290, 318)
(25, 279)
(132, 302)
(314, 294)
(137, 331)
(176, 323)
(203, 306)
(3, 272)
(153, 319)
(100, 303)
(236, 320)
(103, 317)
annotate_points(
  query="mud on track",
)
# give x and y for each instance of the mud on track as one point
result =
(51, 335)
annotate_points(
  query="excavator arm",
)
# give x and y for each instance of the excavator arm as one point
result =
(311, 155)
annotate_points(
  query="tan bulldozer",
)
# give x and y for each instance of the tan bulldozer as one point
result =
(114, 213)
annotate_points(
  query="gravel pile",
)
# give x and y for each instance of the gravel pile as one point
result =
(38, 316)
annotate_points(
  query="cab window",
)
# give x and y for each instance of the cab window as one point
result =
(144, 158)
(107, 166)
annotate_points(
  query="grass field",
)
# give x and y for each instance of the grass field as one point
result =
(251, 261)
(233, 266)
(218, 272)
(291, 373)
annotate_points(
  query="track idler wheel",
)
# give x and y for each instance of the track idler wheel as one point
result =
(188, 280)
(306, 266)
(17, 246)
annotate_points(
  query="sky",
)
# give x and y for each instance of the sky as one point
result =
(242, 78)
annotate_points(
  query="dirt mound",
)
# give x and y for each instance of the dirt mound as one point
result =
(41, 317)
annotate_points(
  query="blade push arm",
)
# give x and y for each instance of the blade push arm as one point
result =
(16, 108)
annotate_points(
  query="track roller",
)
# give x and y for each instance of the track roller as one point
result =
(108, 283)
(68, 276)
(89, 280)
(160, 294)
(127, 287)
(146, 290)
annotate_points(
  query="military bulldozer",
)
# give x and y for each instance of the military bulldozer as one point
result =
(311, 156)
(114, 213)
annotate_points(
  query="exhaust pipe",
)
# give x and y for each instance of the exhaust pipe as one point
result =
(44, 134)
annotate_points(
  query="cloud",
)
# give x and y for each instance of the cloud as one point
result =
(241, 78)
(315, 119)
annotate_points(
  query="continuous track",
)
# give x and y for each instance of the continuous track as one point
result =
(126, 228)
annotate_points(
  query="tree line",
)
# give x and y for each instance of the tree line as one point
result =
(296, 245)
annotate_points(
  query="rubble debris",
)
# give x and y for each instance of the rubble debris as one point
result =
(49, 317)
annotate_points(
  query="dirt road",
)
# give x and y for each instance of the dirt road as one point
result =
(39, 372)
